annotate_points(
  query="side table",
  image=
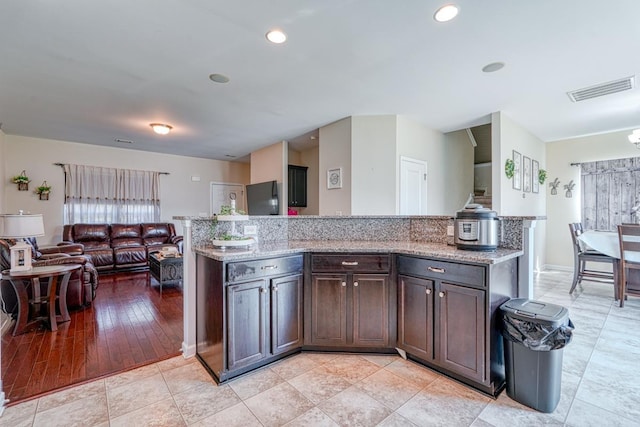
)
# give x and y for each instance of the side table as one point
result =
(57, 277)
(166, 270)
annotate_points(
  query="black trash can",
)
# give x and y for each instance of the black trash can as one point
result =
(535, 333)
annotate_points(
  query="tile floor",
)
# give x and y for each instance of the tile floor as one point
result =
(600, 385)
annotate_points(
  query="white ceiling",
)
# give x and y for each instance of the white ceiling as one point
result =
(87, 71)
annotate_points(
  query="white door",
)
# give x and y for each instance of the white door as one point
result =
(221, 194)
(413, 186)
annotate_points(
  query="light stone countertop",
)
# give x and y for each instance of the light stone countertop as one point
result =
(423, 249)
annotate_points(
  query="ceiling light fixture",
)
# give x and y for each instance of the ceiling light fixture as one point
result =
(634, 138)
(219, 78)
(446, 13)
(161, 128)
(494, 66)
(276, 36)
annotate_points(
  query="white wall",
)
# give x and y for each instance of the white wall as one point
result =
(3, 171)
(335, 152)
(178, 194)
(506, 136)
(310, 158)
(271, 164)
(450, 172)
(562, 210)
(373, 165)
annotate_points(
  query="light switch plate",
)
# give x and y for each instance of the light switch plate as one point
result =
(449, 230)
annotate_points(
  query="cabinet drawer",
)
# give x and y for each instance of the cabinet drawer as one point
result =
(248, 270)
(350, 262)
(442, 270)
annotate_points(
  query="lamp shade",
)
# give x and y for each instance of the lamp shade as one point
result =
(14, 226)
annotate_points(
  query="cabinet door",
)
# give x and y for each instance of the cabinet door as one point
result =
(247, 317)
(297, 186)
(461, 322)
(371, 310)
(329, 309)
(415, 316)
(286, 313)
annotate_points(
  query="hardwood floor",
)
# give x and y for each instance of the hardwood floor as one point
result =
(128, 325)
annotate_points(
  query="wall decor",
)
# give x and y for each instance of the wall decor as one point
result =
(43, 191)
(22, 180)
(569, 187)
(535, 181)
(334, 178)
(517, 168)
(526, 174)
(554, 186)
(509, 168)
(542, 176)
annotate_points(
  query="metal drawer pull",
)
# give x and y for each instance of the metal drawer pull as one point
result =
(350, 263)
(355, 283)
(441, 294)
(428, 291)
(263, 290)
(436, 269)
(274, 289)
(269, 267)
(344, 284)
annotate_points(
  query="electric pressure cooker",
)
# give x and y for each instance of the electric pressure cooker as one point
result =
(476, 228)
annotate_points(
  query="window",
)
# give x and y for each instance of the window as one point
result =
(610, 193)
(108, 195)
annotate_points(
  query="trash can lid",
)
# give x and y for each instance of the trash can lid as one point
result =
(523, 308)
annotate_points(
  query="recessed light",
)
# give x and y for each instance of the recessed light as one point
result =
(494, 66)
(219, 78)
(276, 36)
(161, 128)
(446, 13)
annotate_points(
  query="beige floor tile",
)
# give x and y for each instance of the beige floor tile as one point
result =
(583, 414)
(187, 376)
(412, 371)
(508, 413)
(132, 376)
(353, 407)
(293, 366)
(381, 359)
(236, 416)
(321, 358)
(80, 412)
(388, 388)
(94, 388)
(204, 400)
(313, 417)
(353, 368)
(163, 413)
(175, 362)
(278, 405)
(319, 384)
(255, 382)
(444, 403)
(21, 414)
(136, 395)
(396, 420)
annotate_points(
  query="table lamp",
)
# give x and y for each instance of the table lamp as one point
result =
(19, 226)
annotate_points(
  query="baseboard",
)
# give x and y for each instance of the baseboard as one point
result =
(553, 267)
(188, 350)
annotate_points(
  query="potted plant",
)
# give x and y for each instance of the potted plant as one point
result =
(22, 180)
(43, 191)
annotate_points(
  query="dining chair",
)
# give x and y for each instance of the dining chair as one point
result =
(582, 256)
(629, 237)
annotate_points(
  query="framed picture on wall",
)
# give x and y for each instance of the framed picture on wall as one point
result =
(517, 170)
(526, 174)
(535, 184)
(334, 178)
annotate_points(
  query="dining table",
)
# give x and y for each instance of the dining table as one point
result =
(607, 242)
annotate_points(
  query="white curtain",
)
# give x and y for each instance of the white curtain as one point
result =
(107, 195)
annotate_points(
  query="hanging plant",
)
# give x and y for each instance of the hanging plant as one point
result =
(509, 168)
(22, 180)
(43, 191)
(542, 176)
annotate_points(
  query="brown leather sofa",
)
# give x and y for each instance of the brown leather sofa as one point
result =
(83, 283)
(115, 247)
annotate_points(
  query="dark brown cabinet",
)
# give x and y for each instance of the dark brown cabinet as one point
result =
(447, 317)
(249, 313)
(349, 308)
(297, 186)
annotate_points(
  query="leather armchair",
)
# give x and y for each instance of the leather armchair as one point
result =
(82, 284)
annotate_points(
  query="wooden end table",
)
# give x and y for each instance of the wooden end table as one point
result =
(37, 306)
(166, 270)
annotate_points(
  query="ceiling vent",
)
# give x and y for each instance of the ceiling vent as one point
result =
(602, 89)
